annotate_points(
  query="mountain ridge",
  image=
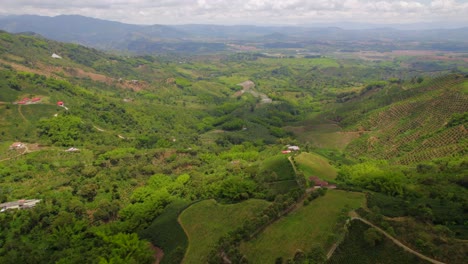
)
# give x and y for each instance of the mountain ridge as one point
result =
(104, 34)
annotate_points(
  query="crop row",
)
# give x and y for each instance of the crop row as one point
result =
(447, 137)
(433, 153)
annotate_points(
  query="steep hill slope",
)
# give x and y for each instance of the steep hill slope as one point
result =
(423, 126)
(402, 122)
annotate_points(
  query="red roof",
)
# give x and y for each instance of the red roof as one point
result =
(59, 103)
(35, 99)
(317, 181)
(21, 102)
(26, 99)
(286, 151)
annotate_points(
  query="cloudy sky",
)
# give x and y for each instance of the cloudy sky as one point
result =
(259, 12)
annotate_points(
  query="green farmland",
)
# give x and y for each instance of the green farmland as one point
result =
(205, 222)
(302, 229)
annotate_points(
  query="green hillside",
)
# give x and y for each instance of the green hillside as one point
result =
(207, 221)
(116, 148)
(303, 229)
(360, 247)
(404, 123)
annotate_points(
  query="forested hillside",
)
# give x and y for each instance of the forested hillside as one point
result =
(218, 158)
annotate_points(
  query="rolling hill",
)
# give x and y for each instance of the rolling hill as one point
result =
(116, 148)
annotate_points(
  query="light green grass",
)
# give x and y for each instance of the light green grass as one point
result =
(297, 62)
(322, 135)
(465, 87)
(315, 165)
(302, 229)
(233, 80)
(207, 221)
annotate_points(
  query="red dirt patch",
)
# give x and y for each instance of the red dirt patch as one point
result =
(158, 253)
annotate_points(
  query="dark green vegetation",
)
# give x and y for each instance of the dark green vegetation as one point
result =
(364, 245)
(312, 226)
(205, 222)
(166, 232)
(155, 135)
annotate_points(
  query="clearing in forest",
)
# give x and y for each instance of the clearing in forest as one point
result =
(302, 229)
(324, 135)
(207, 221)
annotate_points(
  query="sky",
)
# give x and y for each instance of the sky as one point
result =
(253, 12)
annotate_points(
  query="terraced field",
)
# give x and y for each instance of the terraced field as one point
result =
(415, 129)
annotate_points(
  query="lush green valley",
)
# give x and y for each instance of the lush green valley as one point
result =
(190, 154)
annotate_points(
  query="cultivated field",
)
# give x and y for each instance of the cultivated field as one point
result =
(315, 165)
(302, 229)
(207, 221)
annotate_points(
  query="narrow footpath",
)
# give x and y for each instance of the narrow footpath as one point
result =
(355, 216)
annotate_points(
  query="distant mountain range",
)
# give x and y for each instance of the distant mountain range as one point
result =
(107, 35)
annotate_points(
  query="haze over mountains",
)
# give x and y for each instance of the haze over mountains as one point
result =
(105, 34)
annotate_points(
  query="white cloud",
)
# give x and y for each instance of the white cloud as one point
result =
(250, 11)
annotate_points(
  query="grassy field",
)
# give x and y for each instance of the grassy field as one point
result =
(325, 135)
(301, 63)
(302, 229)
(315, 165)
(205, 222)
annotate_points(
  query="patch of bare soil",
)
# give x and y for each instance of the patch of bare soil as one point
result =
(34, 147)
(158, 253)
(50, 71)
(247, 85)
(47, 71)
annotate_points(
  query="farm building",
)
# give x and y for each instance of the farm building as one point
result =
(293, 148)
(17, 145)
(286, 151)
(20, 204)
(318, 182)
(60, 103)
(56, 56)
(36, 99)
(72, 149)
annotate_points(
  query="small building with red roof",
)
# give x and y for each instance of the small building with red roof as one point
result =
(60, 103)
(17, 145)
(318, 182)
